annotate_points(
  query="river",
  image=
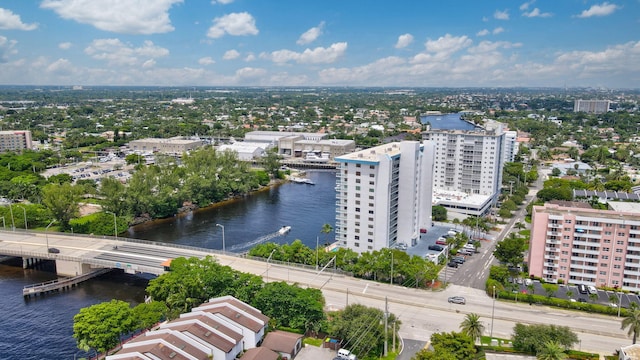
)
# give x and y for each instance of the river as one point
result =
(42, 327)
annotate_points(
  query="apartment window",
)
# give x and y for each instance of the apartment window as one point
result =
(357, 165)
(371, 167)
(357, 216)
(356, 244)
(372, 190)
(357, 237)
(618, 250)
(357, 223)
(566, 237)
(370, 233)
(623, 226)
(357, 209)
(370, 219)
(370, 204)
(603, 264)
(605, 257)
(607, 241)
(565, 244)
(357, 173)
(357, 195)
(607, 232)
(357, 202)
(372, 175)
(371, 212)
(370, 247)
(616, 266)
(357, 231)
(357, 181)
(567, 229)
(371, 182)
(358, 188)
(620, 242)
(603, 273)
(605, 249)
(370, 197)
(567, 221)
(617, 258)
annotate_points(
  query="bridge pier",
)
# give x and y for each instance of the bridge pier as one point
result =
(28, 263)
(72, 268)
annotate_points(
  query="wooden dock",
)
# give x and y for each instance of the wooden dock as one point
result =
(60, 284)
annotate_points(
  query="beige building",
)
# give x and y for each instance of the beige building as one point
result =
(172, 146)
(15, 140)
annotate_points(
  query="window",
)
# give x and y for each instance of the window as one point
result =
(357, 237)
(357, 209)
(357, 165)
(357, 173)
(605, 249)
(567, 221)
(620, 242)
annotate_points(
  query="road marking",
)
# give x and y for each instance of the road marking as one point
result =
(365, 289)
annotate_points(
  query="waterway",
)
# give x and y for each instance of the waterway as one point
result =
(42, 327)
(447, 122)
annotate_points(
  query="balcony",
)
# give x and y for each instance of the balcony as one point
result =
(550, 272)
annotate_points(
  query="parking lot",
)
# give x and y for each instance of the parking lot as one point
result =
(602, 297)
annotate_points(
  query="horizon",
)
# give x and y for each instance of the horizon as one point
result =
(328, 43)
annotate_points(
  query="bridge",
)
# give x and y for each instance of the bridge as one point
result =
(76, 255)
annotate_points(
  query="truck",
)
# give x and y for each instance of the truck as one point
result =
(345, 354)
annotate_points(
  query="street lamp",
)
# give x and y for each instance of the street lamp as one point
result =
(269, 258)
(25, 216)
(46, 236)
(13, 223)
(223, 245)
(115, 224)
(493, 310)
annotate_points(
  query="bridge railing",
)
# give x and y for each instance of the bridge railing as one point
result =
(311, 268)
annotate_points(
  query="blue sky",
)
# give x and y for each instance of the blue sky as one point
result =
(400, 43)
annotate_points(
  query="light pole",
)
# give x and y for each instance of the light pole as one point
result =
(316, 253)
(269, 258)
(13, 223)
(25, 216)
(391, 281)
(223, 245)
(493, 310)
(46, 236)
(115, 224)
(4, 226)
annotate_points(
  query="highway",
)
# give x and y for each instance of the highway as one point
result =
(423, 312)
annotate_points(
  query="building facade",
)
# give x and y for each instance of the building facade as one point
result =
(172, 146)
(591, 106)
(15, 140)
(384, 195)
(581, 245)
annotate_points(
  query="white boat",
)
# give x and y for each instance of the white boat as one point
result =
(283, 230)
(314, 157)
(302, 181)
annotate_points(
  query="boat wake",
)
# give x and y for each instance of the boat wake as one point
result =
(248, 245)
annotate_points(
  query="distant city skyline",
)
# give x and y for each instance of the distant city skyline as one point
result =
(493, 43)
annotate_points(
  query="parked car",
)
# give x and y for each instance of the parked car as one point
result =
(592, 290)
(402, 246)
(452, 264)
(457, 300)
(441, 241)
(582, 289)
(436, 247)
(465, 252)
(458, 259)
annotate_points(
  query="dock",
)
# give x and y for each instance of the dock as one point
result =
(60, 284)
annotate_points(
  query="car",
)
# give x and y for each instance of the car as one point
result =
(452, 264)
(452, 232)
(402, 246)
(582, 300)
(582, 289)
(465, 252)
(423, 231)
(53, 250)
(592, 290)
(441, 241)
(458, 259)
(435, 247)
(457, 300)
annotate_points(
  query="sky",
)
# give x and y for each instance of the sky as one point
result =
(394, 43)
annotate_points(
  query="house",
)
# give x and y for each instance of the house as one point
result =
(285, 343)
(260, 353)
(631, 352)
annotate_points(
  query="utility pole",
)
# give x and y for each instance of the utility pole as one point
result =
(386, 316)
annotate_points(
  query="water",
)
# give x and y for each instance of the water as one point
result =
(42, 327)
(447, 122)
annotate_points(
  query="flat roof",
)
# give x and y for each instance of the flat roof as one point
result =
(458, 197)
(624, 206)
(372, 154)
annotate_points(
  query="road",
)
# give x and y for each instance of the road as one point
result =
(423, 312)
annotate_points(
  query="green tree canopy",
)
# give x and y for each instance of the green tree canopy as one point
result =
(101, 326)
(472, 326)
(531, 338)
(510, 251)
(62, 201)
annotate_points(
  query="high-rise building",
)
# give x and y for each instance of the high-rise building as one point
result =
(384, 195)
(591, 106)
(468, 167)
(15, 140)
(581, 245)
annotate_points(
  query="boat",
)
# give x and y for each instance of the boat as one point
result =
(302, 181)
(315, 158)
(283, 230)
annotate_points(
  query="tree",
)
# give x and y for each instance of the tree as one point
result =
(113, 194)
(439, 213)
(531, 338)
(291, 306)
(510, 250)
(632, 321)
(62, 201)
(101, 326)
(148, 314)
(550, 289)
(457, 344)
(472, 327)
(271, 162)
(326, 229)
(350, 324)
(551, 350)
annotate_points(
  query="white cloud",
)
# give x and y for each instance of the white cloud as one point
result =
(231, 54)
(536, 13)
(206, 61)
(447, 45)
(61, 67)
(525, 6)
(310, 35)
(250, 57)
(11, 21)
(235, 24)
(501, 15)
(404, 41)
(7, 48)
(223, 2)
(497, 30)
(603, 9)
(64, 45)
(318, 55)
(115, 52)
(483, 32)
(119, 16)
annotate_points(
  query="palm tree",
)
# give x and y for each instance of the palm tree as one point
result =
(632, 321)
(326, 229)
(472, 326)
(551, 350)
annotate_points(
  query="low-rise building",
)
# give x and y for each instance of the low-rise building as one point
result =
(15, 140)
(172, 146)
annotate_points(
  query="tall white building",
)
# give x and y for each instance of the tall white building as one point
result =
(468, 166)
(592, 106)
(384, 195)
(15, 140)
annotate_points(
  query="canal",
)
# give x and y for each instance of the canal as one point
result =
(42, 327)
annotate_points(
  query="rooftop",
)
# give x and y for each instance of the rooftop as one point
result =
(372, 154)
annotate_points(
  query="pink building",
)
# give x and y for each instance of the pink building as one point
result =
(581, 245)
